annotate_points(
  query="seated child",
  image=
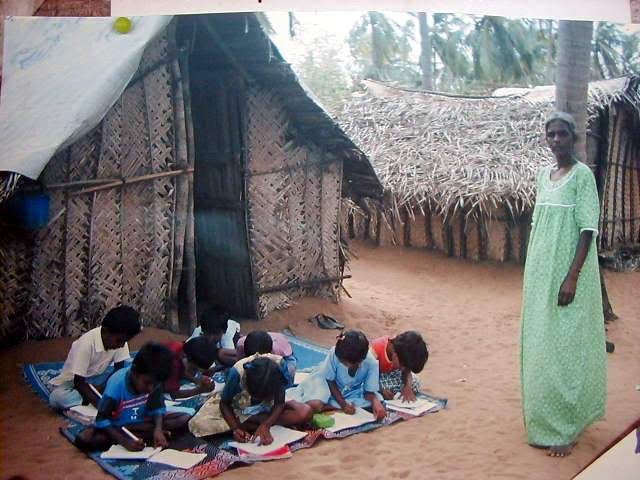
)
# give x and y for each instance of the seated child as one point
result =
(260, 341)
(398, 357)
(194, 355)
(90, 356)
(253, 399)
(216, 324)
(134, 399)
(348, 378)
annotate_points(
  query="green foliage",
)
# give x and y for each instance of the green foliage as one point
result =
(468, 54)
(323, 72)
(614, 52)
(381, 49)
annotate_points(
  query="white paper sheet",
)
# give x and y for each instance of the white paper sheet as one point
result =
(118, 452)
(60, 76)
(178, 459)
(343, 421)
(412, 408)
(281, 436)
(88, 411)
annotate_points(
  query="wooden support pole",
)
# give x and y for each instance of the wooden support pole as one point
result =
(291, 285)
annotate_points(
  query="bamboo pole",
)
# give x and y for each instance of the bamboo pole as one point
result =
(181, 198)
(189, 253)
(309, 283)
(129, 181)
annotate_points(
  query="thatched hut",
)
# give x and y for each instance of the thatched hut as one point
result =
(460, 171)
(213, 178)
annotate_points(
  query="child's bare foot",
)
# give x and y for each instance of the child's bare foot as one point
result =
(560, 451)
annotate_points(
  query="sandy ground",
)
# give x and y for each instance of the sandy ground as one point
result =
(470, 317)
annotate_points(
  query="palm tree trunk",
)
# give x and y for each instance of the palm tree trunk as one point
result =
(572, 75)
(550, 52)
(572, 87)
(376, 48)
(425, 52)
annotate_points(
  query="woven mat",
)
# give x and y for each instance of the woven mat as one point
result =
(219, 458)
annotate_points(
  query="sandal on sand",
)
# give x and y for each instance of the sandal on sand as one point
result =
(326, 322)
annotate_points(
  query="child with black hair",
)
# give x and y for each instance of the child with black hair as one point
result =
(260, 341)
(252, 401)
(216, 323)
(91, 355)
(133, 399)
(193, 356)
(348, 378)
(399, 358)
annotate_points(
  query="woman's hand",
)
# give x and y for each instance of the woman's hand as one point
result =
(567, 290)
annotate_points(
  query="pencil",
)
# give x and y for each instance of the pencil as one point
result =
(124, 429)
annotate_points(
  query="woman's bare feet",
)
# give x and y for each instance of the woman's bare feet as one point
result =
(560, 451)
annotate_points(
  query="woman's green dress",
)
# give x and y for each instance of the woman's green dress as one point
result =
(563, 358)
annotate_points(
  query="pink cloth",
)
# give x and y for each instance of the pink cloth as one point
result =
(281, 345)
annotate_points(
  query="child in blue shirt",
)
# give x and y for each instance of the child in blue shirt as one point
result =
(348, 378)
(133, 398)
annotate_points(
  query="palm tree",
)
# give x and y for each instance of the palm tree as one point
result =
(573, 74)
(426, 52)
(381, 48)
(572, 87)
(503, 51)
(443, 54)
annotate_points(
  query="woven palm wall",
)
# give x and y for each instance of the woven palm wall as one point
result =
(620, 196)
(109, 241)
(294, 193)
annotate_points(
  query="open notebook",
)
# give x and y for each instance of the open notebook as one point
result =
(418, 407)
(173, 458)
(281, 436)
(344, 421)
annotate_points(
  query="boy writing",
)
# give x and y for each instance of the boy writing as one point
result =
(133, 401)
(194, 355)
(91, 355)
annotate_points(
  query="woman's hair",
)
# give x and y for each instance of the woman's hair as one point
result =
(153, 359)
(123, 320)
(258, 341)
(352, 346)
(411, 350)
(264, 379)
(565, 118)
(202, 351)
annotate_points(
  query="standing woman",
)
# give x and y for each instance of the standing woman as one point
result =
(563, 358)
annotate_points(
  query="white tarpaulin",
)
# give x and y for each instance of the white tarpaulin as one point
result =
(60, 77)
(600, 10)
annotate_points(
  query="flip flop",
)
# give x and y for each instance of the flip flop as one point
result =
(326, 322)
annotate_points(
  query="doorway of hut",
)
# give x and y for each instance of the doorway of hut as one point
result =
(222, 260)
